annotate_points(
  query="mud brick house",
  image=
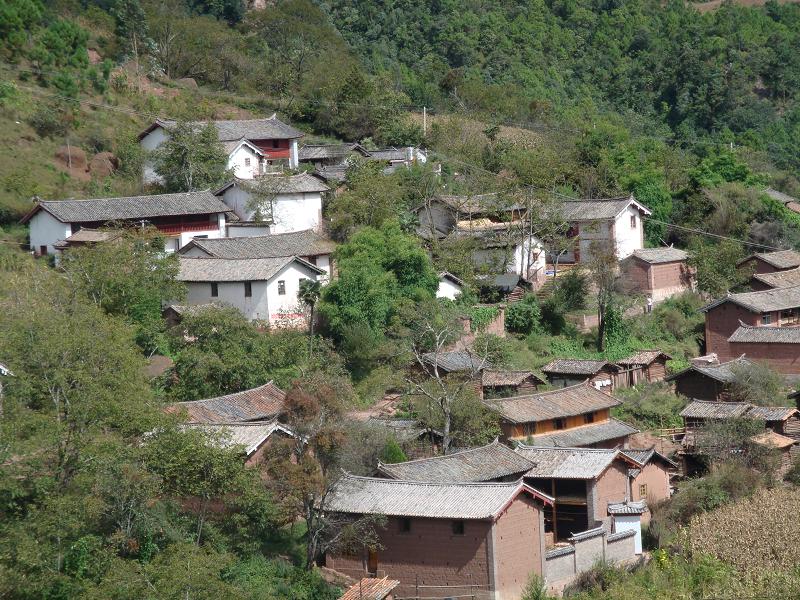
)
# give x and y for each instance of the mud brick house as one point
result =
(650, 481)
(253, 438)
(780, 419)
(493, 462)
(708, 381)
(502, 384)
(770, 262)
(657, 272)
(482, 538)
(178, 217)
(786, 448)
(263, 403)
(776, 279)
(740, 313)
(582, 482)
(563, 372)
(645, 366)
(308, 245)
(575, 416)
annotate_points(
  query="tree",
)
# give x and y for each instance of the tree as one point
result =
(308, 294)
(192, 159)
(603, 270)
(757, 384)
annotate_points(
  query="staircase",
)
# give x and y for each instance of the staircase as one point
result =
(548, 287)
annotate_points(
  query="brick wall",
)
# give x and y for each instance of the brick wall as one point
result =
(669, 279)
(635, 275)
(518, 547)
(721, 322)
(784, 358)
(656, 478)
(611, 486)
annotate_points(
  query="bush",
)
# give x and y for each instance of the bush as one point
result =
(50, 120)
(393, 453)
(524, 317)
(572, 289)
(552, 318)
(793, 475)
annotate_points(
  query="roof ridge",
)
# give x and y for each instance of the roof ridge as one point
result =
(484, 484)
(567, 448)
(549, 392)
(495, 442)
(270, 382)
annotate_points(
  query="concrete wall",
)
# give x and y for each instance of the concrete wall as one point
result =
(563, 564)
(285, 309)
(247, 230)
(45, 230)
(436, 218)
(238, 159)
(149, 143)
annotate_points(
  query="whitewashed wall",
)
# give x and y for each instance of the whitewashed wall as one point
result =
(628, 238)
(149, 143)
(45, 230)
(447, 289)
(237, 160)
(291, 212)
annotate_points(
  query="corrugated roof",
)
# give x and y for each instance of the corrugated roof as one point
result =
(576, 366)
(248, 435)
(762, 301)
(370, 589)
(643, 357)
(567, 463)
(573, 400)
(130, 207)
(296, 243)
(655, 256)
(229, 269)
(724, 373)
(457, 360)
(262, 403)
(598, 209)
(390, 497)
(779, 279)
(780, 259)
(486, 463)
(749, 334)
(585, 435)
(706, 409)
(498, 377)
(303, 183)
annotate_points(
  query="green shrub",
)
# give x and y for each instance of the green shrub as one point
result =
(50, 121)
(393, 453)
(572, 289)
(524, 317)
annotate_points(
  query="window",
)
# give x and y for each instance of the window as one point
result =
(214, 290)
(246, 162)
(588, 418)
(404, 525)
(458, 527)
(643, 490)
(276, 144)
(560, 423)
(633, 221)
(312, 260)
(281, 288)
(530, 428)
(248, 289)
(766, 319)
(42, 250)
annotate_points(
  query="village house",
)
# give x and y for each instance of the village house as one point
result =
(505, 287)
(445, 539)
(776, 279)
(616, 222)
(88, 237)
(415, 440)
(492, 462)
(450, 286)
(263, 403)
(645, 366)
(263, 289)
(770, 262)
(444, 214)
(498, 383)
(178, 217)
(786, 448)
(308, 245)
(253, 438)
(330, 155)
(760, 324)
(254, 146)
(710, 380)
(658, 273)
(650, 481)
(371, 588)
(287, 203)
(564, 372)
(575, 416)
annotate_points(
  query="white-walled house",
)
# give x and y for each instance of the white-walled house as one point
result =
(179, 217)
(254, 146)
(308, 245)
(293, 203)
(618, 221)
(263, 289)
(450, 286)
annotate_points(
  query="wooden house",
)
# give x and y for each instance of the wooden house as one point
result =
(710, 381)
(499, 383)
(786, 448)
(645, 366)
(770, 262)
(575, 416)
(563, 372)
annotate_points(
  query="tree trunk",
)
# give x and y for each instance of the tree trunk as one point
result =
(446, 430)
(311, 332)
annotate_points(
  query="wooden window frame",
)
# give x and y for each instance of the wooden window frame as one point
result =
(281, 287)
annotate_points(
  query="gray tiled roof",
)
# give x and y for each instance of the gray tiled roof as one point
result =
(388, 154)
(780, 259)
(258, 404)
(645, 456)
(303, 183)
(586, 435)
(249, 435)
(772, 413)
(457, 360)
(251, 129)
(643, 357)
(487, 463)
(91, 236)
(403, 430)
(705, 409)
(567, 463)
(332, 172)
(779, 279)
(565, 402)
(576, 366)
(242, 269)
(500, 377)
(763, 301)
(473, 501)
(324, 151)
(596, 210)
(131, 207)
(656, 256)
(724, 373)
(748, 334)
(479, 203)
(296, 243)
(627, 508)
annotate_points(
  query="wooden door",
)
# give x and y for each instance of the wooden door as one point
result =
(372, 562)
